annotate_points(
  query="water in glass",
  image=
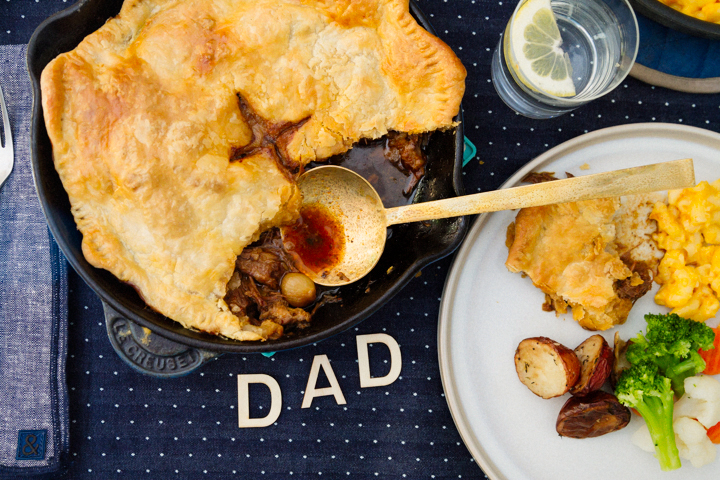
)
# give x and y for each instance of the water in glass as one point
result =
(600, 40)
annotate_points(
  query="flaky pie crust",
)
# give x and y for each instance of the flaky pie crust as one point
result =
(568, 250)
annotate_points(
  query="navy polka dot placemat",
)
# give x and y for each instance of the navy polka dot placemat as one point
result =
(126, 425)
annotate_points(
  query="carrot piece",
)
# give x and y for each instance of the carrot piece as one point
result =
(714, 433)
(712, 356)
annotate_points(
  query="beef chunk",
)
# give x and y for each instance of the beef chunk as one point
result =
(405, 152)
(281, 313)
(631, 288)
(262, 264)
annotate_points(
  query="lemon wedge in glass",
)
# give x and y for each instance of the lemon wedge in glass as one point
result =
(534, 53)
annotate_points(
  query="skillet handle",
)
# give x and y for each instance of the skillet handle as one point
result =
(148, 352)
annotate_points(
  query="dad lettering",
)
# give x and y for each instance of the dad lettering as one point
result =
(311, 392)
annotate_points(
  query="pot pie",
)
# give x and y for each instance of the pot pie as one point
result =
(596, 257)
(153, 123)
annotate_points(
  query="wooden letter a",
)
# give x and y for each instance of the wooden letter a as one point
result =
(312, 392)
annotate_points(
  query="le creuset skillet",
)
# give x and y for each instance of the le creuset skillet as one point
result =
(409, 248)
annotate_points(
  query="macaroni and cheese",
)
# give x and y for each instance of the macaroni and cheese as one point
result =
(707, 10)
(689, 232)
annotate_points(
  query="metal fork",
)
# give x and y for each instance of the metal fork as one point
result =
(6, 151)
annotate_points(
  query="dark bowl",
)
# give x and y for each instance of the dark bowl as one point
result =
(409, 247)
(671, 18)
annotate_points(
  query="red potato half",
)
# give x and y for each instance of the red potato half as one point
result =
(548, 368)
(596, 362)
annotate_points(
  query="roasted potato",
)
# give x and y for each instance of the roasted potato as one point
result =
(593, 415)
(596, 361)
(546, 367)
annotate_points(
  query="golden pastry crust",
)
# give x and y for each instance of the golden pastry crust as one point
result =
(143, 116)
(568, 251)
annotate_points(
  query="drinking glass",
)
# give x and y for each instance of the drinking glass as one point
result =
(600, 39)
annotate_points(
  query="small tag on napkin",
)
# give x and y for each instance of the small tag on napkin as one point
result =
(31, 445)
(33, 306)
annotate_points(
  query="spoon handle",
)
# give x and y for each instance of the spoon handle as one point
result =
(629, 181)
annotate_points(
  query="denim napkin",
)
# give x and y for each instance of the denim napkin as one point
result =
(33, 307)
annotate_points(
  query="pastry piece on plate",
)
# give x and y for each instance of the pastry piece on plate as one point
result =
(573, 253)
(146, 118)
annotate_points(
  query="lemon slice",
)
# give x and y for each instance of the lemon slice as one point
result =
(535, 53)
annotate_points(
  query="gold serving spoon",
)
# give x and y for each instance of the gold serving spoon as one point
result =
(358, 221)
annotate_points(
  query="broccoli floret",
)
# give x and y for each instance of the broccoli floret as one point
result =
(679, 335)
(671, 342)
(643, 388)
(678, 372)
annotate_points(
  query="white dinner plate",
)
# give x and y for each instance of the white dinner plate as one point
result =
(486, 311)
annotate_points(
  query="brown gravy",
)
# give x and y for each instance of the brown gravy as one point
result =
(368, 158)
(317, 239)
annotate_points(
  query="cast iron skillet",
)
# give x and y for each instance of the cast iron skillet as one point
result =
(671, 18)
(409, 248)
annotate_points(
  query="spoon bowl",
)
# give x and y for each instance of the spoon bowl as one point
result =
(355, 205)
